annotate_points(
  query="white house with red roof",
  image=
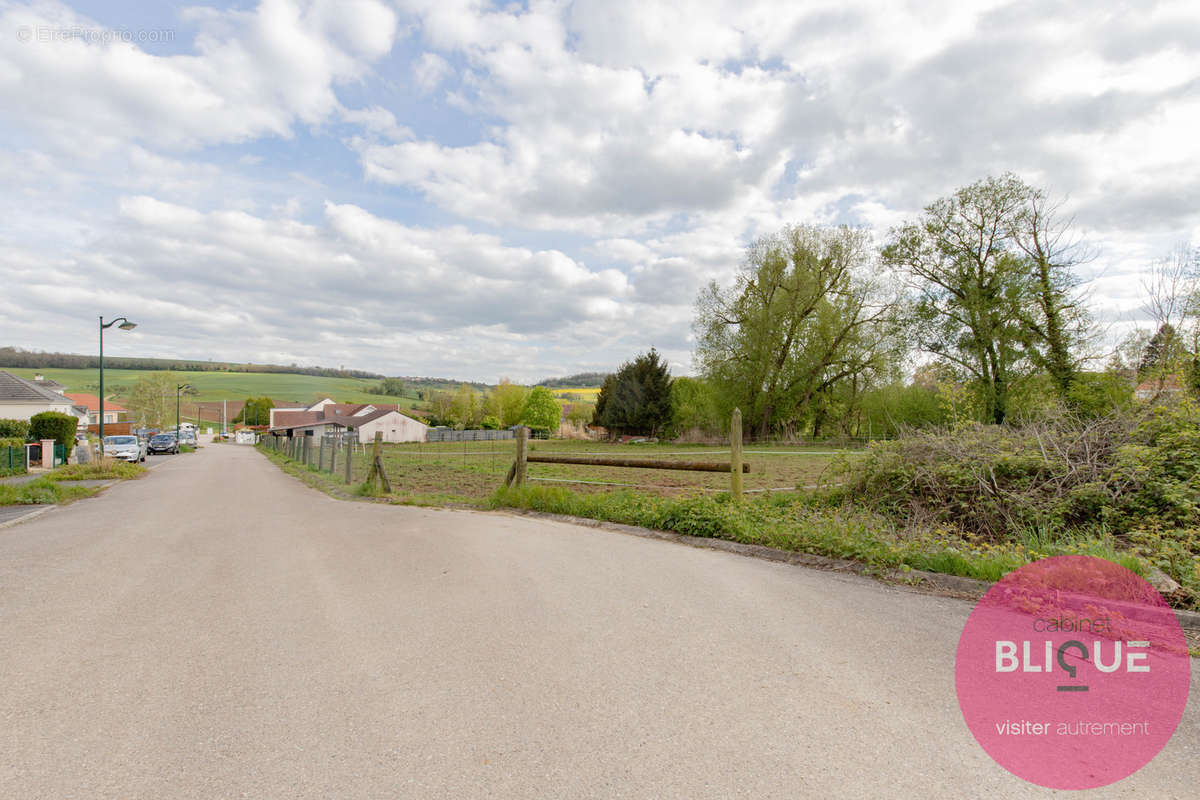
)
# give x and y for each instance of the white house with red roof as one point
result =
(91, 404)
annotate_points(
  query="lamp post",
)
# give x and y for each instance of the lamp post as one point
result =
(125, 325)
(178, 389)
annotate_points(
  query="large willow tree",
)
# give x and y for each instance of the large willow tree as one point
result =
(806, 315)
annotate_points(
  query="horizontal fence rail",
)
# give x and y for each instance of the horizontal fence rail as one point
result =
(735, 467)
(637, 463)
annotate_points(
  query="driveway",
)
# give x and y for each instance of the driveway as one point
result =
(217, 629)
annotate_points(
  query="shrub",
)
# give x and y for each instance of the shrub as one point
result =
(14, 429)
(1132, 479)
(53, 425)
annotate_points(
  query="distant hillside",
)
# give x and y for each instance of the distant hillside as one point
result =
(440, 384)
(29, 359)
(579, 379)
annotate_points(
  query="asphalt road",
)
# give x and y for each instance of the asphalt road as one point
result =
(218, 630)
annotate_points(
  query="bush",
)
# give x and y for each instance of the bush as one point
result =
(53, 425)
(14, 429)
(1130, 478)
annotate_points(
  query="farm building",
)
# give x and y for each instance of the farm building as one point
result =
(328, 418)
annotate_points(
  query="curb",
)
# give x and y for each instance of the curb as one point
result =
(36, 511)
(1188, 620)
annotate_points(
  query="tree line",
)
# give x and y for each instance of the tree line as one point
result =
(30, 359)
(974, 310)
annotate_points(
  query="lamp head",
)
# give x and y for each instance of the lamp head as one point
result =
(127, 325)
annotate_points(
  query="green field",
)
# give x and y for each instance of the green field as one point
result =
(210, 386)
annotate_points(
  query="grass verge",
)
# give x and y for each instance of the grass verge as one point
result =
(795, 522)
(43, 491)
(108, 469)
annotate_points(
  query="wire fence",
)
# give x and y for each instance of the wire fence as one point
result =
(474, 468)
(12, 460)
(451, 435)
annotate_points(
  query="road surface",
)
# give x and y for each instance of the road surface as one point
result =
(218, 630)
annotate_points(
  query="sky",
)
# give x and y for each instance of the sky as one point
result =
(472, 190)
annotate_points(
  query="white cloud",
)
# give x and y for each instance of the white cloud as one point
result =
(338, 291)
(430, 70)
(253, 73)
(545, 186)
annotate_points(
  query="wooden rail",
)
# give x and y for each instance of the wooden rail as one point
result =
(638, 463)
(735, 466)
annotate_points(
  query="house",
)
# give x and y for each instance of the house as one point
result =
(90, 405)
(288, 407)
(46, 383)
(22, 399)
(362, 420)
(1153, 388)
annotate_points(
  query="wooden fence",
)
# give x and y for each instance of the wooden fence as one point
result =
(736, 467)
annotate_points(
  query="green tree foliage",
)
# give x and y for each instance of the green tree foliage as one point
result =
(581, 412)
(16, 357)
(696, 407)
(506, 402)
(993, 291)
(542, 412)
(1098, 394)
(152, 400)
(14, 429)
(1163, 354)
(440, 404)
(897, 406)
(636, 399)
(256, 411)
(465, 409)
(805, 315)
(392, 387)
(53, 425)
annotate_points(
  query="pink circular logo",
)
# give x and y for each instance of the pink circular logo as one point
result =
(1072, 672)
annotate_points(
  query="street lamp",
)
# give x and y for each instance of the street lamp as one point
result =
(125, 325)
(178, 389)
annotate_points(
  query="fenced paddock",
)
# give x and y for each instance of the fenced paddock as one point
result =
(473, 470)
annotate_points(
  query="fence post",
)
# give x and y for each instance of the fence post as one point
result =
(519, 472)
(349, 458)
(735, 454)
(332, 456)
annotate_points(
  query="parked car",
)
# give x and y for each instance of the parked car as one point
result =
(126, 447)
(163, 443)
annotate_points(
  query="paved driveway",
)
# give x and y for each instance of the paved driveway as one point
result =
(216, 629)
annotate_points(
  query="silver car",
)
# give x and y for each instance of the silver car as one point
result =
(127, 448)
